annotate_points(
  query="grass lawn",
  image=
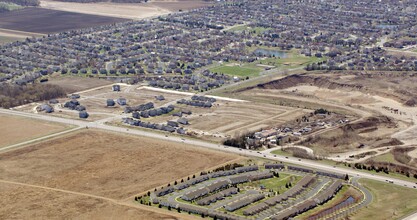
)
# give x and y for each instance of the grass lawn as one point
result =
(388, 157)
(293, 60)
(275, 184)
(389, 201)
(241, 71)
(281, 153)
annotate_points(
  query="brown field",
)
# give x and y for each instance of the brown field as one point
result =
(27, 202)
(235, 117)
(117, 10)
(14, 129)
(34, 20)
(76, 84)
(126, 10)
(106, 164)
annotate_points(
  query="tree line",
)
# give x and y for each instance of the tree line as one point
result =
(15, 95)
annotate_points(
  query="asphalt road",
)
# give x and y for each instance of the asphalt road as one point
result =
(199, 143)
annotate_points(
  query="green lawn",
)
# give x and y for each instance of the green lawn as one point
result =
(388, 157)
(293, 60)
(389, 201)
(275, 184)
(281, 153)
(241, 71)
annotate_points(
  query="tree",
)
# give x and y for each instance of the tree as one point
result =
(149, 193)
(347, 177)
(169, 208)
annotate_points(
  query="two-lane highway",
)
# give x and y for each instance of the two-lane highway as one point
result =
(199, 143)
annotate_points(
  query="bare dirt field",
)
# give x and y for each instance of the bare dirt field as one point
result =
(27, 202)
(234, 117)
(106, 164)
(34, 20)
(126, 10)
(14, 129)
(118, 10)
(76, 84)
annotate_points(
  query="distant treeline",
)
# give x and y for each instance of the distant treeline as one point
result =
(14, 95)
(116, 1)
(23, 2)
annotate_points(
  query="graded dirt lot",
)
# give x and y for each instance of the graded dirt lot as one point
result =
(106, 164)
(27, 202)
(14, 129)
(35, 20)
(234, 117)
(117, 10)
(125, 10)
(76, 84)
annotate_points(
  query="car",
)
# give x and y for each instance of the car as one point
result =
(299, 159)
(264, 155)
(414, 187)
(286, 157)
(275, 155)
